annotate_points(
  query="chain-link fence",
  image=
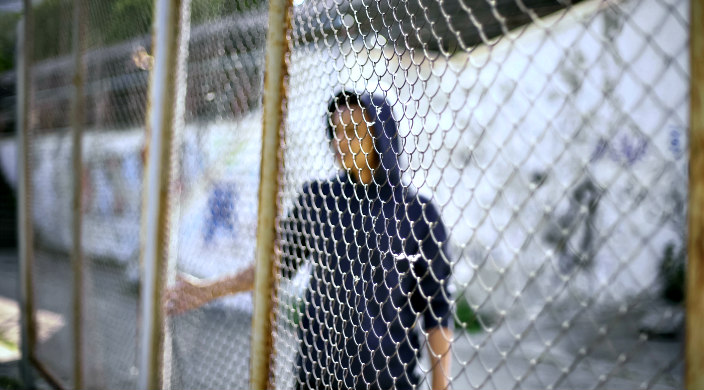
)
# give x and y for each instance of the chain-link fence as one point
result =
(49, 148)
(219, 159)
(534, 176)
(470, 194)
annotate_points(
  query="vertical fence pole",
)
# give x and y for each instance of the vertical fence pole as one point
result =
(165, 104)
(24, 191)
(272, 124)
(694, 360)
(77, 117)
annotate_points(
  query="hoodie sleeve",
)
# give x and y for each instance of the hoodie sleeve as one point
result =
(296, 234)
(433, 267)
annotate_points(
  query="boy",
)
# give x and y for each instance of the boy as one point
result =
(378, 263)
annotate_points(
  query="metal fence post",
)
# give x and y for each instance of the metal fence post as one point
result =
(694, 361)
(272, 124)
(163, 118)
(24, 191)
(77, 117)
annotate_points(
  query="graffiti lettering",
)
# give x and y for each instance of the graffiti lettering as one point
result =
(626, 150)
(221, 215)
(677, 141)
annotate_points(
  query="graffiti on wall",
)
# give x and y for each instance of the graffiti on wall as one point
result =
(626, 150)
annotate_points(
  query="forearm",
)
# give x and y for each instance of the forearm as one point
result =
(439, 339)
(233, 284)
(189, 293)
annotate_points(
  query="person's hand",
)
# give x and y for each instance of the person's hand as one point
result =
(186, 294)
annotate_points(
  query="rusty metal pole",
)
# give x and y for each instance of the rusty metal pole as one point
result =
(77, 118)
(164, 119)
(272, 124)
(25, 229)
(694, 345)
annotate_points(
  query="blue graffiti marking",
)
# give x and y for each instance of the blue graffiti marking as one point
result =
(628, 151)
(221, 211)
(633, 150)
(599, 150)
(677, 144)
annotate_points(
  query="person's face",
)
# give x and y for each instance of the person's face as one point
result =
(353, 143)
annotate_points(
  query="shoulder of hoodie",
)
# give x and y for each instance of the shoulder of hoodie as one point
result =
(415, 202)
(321, 187)
(418, 203)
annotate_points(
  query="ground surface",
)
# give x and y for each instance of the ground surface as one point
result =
(209, 347)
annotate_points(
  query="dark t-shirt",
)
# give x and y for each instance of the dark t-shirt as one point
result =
(379, 270)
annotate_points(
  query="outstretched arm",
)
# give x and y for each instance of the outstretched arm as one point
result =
(439, 349)
(189, 293)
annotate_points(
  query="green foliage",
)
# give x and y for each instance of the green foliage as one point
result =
(7, 383)
(8, 37)
(465, 318)
(123, 20)
(293, 309)
(108, 23)
(52, 29)
(204, 10)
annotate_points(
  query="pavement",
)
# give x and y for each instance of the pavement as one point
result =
(209, 347)
(9, 322)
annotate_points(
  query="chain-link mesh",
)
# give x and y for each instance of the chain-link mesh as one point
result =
(473, 194)
(115, 90)
(525, 185)
(49, 132)
(217, 198)
(117, 64)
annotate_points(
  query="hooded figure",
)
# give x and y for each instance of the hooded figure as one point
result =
(379, 266)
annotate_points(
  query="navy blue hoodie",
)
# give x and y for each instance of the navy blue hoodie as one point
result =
(378, 268)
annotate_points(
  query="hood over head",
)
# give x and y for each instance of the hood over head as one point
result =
(383, 128)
